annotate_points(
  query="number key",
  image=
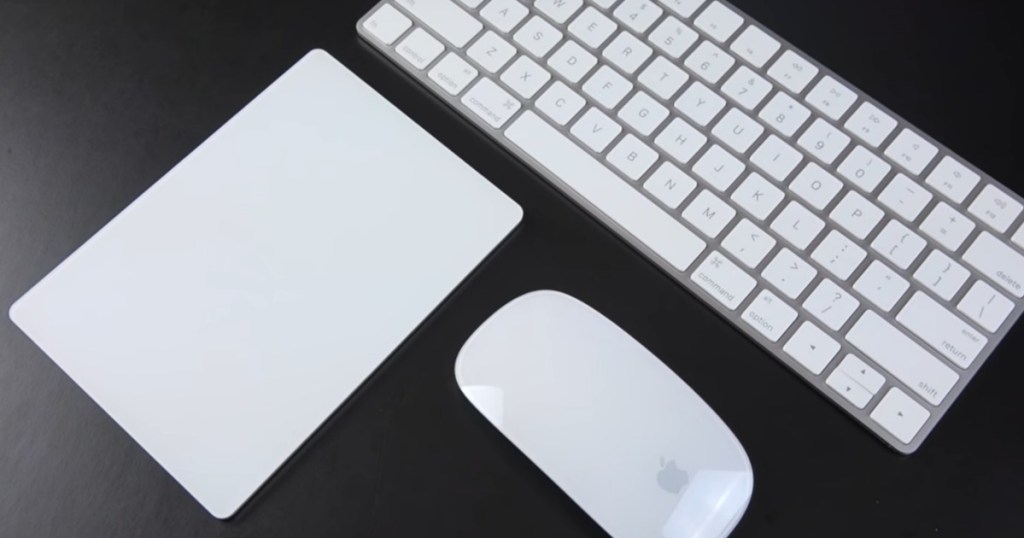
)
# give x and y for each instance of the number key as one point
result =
(747, 88)
(710, 62)
(824, 141)
(784, 114)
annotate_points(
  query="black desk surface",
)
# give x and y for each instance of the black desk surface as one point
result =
(98, 99)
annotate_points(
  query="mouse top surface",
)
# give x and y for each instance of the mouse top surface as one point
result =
(609, 423)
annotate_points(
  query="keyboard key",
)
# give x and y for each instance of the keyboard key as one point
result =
(719, 22)
(823, 141)
(683, 8)
(503, 14)
(942, 275)
(777, 158)
(857, 215)
(723, 280)
(816, 186)
(627, 52)
(632, 157)
(450, 21)
(673, 37)
(812, 348)
(881, 286)
(387, 24)
(862, 374)
(472, 4)
(900, 415)
(593, 28)
(596, 130)
(758, 196)
(831, 304)
(1019, 237)
(995, 208)
(643, 113)
(748, 243)
(491, 52)
(709, 214)
(899, 244)
(986, 306)
(663, 78)
(793, 71)
(453, 74)
(947, 226)
(709, 62)
(870, 124)
(572, 61)
(638, 15)
(719, 168)
(559, 10)
(755, 46)
(560, 103)
(770, 316)
(789, 273)
(848, 388)
(910, 363)
(911, 152)
(798, 225)
(839, 255)
(942, 330)
(737, 130)
(700, 104)
(538, 37)
(864, 169)
(420, 49)
(784, 114)
(607, 87)
(681, 141)
(906, 197)
(747, 88)
(999, 262)
(670, 185)
(953, 180)
(639, 216)
(831, 97)
(525, 77)
(491, 103)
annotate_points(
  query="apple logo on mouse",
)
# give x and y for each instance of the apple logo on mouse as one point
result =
(671, 478)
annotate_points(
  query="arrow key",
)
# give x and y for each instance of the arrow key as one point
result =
(849, 389)
(900, 415)
(864, 375)
(812, 348)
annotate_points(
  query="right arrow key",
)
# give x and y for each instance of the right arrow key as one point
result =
(900, 415)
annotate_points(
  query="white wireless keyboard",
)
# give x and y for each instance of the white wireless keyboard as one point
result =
(866, 256)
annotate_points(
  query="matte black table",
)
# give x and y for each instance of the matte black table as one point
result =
(98, 99)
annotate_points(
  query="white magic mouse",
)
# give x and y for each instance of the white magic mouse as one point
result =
(632, 444)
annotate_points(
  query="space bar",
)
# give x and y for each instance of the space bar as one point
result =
(642, 218)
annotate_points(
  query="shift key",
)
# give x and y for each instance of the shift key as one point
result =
(912, 364)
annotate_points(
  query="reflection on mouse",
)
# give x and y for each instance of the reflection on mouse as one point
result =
(631, 443)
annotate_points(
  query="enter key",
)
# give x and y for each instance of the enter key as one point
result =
(942, 330)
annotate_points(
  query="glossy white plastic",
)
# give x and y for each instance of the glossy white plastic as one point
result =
(631, 443)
